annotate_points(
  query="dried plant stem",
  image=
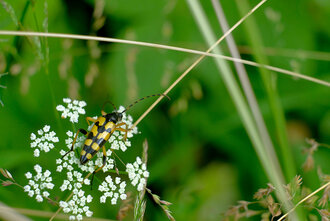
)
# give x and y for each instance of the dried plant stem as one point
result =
(287, 52)
(13, 182)
(324, 145)
(303, 200)
(173, 48)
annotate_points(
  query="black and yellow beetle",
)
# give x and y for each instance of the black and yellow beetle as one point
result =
(103, 128)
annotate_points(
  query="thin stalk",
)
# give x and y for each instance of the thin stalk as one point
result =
(303, 200)
(245, 82)
(273, 97)
(172, 48)
(268, 162)
(287, 52)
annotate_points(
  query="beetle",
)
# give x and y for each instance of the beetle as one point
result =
(103, 128)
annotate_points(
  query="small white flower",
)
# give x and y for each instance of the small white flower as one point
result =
(123, 196)
(47, 173)
(146, 174)
(33, 144)
(40, 132)
(138, 160)
(67, 100)
(30, 193)
(50, 185)
(60, 108)
(89, 198)
(89, 213)
(69, 133)
(39, 198)
(45, 194)
(33, 136)
(27, 188)
(82, 104)
(37, 168)
(140, 187)
(28, 175)
(46, 128)
(103, 199)
(63, 204)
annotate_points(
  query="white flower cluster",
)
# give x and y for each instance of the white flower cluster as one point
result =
(73, 109)
(117, 138)
(75, 178)
(72, 171)
(111, 190)
(137, 173)
(77, 205)
(39, 183)
(45, 142)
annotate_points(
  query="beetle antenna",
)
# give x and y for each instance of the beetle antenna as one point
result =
(137, 101)
(109, 103)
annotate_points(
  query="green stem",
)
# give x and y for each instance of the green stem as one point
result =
(269, 162)
(271, 90)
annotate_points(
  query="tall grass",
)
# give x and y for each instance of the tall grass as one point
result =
(265, 153)
(244, 100)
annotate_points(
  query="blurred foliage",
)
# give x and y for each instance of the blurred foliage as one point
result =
(200, 158)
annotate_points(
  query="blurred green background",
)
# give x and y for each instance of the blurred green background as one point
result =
(200, 157)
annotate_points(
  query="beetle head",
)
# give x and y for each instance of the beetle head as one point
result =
(114, 116)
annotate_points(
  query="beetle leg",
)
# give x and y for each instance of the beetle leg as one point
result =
(74, 141)
(88, 119)
(118, 127)
(104, 163)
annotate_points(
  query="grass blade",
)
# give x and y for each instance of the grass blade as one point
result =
(269, 162)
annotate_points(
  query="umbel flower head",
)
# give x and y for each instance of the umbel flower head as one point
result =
(137, 173)
(45, 142)
(72, 110)
(73, 174)
(112, 189)
(39, 183)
